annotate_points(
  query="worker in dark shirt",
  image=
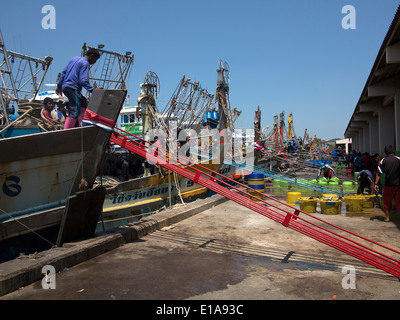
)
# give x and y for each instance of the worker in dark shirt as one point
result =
(327, 171)
(124, 170)
(389, 165)
(365, 181)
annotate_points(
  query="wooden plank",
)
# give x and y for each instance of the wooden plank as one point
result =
(82, 211)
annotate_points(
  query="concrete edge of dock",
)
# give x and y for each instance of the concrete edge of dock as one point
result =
(26, 270)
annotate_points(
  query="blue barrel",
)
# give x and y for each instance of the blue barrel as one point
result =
(209, 115)
(215, 116)
(256, 182)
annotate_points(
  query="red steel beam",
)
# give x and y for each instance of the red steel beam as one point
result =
(198, 174)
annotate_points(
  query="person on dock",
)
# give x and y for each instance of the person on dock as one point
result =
(327, 171)
(124, 170)
(158, 146)
(365, 181)
(358, 162)
(390, 166)
(73, 78)
(366, 161)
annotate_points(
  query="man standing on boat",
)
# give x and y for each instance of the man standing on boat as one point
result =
(74, 77)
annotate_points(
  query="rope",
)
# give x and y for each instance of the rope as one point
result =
(33, 111)
(161, 124)
(83, 184)
(19, 118)
(178, 187)
(25, 226)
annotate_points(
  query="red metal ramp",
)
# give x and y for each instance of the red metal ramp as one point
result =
(288, 216)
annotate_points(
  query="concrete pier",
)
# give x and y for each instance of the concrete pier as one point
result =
(210, 249)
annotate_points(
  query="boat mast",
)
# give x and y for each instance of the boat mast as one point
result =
(257, 125)
(23, 81)
(149, 90)
(276, 133)
(111, 70)
(222, 94)
(7, 71)
(290, 122)
(188, 105)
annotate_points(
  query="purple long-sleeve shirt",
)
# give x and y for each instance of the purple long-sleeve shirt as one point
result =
(76, 75)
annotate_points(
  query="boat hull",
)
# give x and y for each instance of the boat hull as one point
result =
(131, 200)
(45, 176)
(39, 171)
(15, 131)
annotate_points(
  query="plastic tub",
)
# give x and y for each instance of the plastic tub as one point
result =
(284, 187)
(301, 186)
(348, 186)
(330, 196)
(276, 186)
(308, 205)
(354, 203)
(330, 207)
(369, 201)
(293, 198)
(334, 179)
(333, 185)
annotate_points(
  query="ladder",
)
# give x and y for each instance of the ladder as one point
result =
(107, 68)
(289, 216)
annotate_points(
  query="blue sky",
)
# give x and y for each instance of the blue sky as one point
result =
(286, 55)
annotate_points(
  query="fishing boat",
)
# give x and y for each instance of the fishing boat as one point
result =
(265, 156)
(39, 171)
(40, 168)
(63, 175)
(190, 110)
(130, 122)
